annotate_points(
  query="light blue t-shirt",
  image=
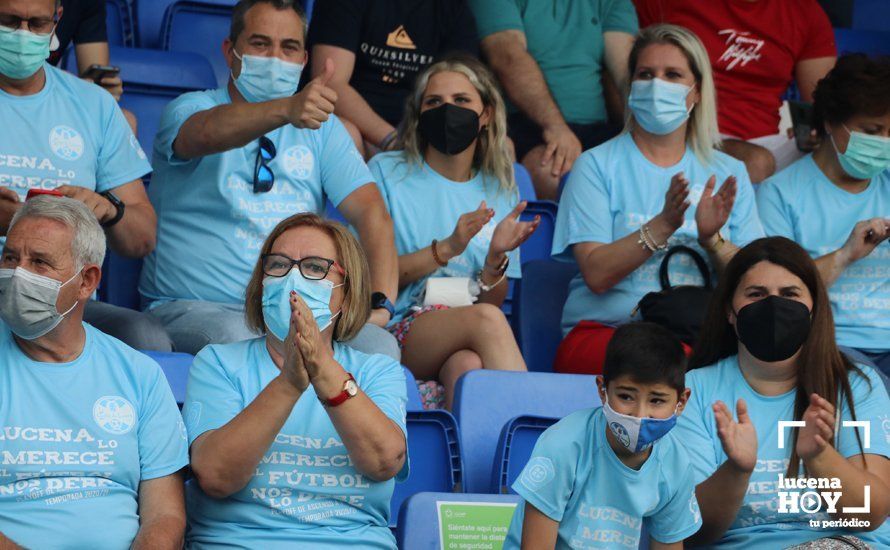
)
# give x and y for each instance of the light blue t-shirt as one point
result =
(211, 224)
(71, 132)
(613, 190)
(305, 493)
(801, 203)
(758, 524)
(575, 478)
(424, 205)
(77, 438)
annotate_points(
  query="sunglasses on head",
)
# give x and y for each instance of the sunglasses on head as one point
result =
(263, 177)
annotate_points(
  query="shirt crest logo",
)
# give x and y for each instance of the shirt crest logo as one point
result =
(114, 414)
(66, 142)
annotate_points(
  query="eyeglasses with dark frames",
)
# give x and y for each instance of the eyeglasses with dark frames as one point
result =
(313, 268)
(37, 25)
(263, 177)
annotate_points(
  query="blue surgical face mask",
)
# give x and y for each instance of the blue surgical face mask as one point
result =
(266, 78)
(276, 301)
(637, 434)
(866, 155)
(22, 52)
(659, 107)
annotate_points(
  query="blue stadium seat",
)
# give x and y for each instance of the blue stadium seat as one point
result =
(485, 400)
(150, 18)
(538, 246)
(152, 79)
(862, 41)
(176, 368)
(873, 15)
(538, 300)
(199, 27)
(119, 23)
(435, 454)
(524, 183)
(419, 517)
(332, 213)
(515, 447)
(414, 401)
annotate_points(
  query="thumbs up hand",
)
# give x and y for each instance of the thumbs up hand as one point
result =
(312, 106)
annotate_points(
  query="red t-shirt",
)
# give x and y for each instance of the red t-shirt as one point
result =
(754, 47)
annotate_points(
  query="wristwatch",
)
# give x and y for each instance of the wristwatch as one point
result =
(119, 204)
(350, 390)
(380, 301)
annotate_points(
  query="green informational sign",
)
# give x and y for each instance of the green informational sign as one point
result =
(474, 525)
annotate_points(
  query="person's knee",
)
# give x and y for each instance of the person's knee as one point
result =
(459, 363)
(144, 332)
(193, 325)
(489, 322)
(546, 184)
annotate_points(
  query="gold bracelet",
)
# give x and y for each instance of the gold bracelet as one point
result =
(436, 256)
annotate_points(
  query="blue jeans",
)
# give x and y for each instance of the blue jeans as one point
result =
(192, 325)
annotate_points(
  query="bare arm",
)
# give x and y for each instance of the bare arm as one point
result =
(224, 460)
(351, 106)
(618, 46)
(809, 72)
(9, 205)
(7, 544)
(96, 53)
(855, 473)
(161, 514)
(365, 210)
(376, 444)
(236, 124)
(134, 235)
(721, 495)
(538, 530)
(521, 77)
(864, 238)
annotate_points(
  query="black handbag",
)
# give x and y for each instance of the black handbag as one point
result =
(681, 309)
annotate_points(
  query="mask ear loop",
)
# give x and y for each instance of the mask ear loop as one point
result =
(74, 305)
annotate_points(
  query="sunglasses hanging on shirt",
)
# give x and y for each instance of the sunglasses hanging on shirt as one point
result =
(263, 177)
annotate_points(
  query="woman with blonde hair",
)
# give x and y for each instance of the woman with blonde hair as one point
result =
(650, 188)
(295, 438)
(454, 204)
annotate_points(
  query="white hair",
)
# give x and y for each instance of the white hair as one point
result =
(88, 242)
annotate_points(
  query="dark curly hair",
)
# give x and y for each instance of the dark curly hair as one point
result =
(857, 85)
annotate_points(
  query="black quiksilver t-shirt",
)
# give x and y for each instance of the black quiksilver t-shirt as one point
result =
(83, 21)
(393, 41)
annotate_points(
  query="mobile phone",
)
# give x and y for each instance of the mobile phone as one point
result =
(97, 72)
(802, 122)
(37, 192)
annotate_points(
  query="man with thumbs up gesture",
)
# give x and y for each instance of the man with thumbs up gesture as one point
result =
(231, 163)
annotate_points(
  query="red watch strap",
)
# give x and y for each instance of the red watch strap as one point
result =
(343, 395)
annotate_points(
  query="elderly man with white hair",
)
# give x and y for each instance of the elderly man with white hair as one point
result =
(91, 440)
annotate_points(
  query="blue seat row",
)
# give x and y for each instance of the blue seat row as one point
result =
(484, 445)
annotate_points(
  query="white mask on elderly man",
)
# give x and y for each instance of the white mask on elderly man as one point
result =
(28, 302)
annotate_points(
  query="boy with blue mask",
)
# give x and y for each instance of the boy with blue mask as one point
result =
(598, 476)
(231, 163)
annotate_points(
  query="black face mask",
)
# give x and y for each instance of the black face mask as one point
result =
(773, 329)
(449, 128)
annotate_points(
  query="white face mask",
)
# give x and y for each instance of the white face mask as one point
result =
(28, 302)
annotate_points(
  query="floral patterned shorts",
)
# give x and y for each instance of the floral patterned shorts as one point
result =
(432, 393)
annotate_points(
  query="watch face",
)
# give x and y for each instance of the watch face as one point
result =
(377, 300)
(351, 388)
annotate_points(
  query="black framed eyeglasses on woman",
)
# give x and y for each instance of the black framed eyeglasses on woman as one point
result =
(313, 268)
